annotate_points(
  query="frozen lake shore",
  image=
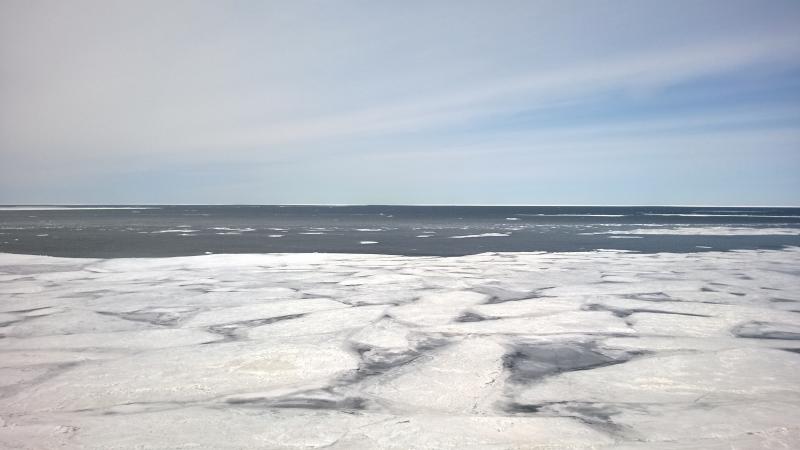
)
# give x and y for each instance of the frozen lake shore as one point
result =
(502, 350)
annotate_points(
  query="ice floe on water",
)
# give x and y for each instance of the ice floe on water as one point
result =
(70, 208)
(575, 215)
(368, 242)
(768, 216)
(707, 231)
(468, 236)
(175, 230)
(240, 230)
(604, 349)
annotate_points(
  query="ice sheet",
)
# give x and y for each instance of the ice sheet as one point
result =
(605, 349)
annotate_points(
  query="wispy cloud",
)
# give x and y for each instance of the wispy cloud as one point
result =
(93, 89)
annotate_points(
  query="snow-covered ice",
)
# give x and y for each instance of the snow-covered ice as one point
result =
(604, 349)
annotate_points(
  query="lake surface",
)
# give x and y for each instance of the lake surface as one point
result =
(179, 230)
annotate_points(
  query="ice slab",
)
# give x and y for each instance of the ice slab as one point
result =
(603, 349)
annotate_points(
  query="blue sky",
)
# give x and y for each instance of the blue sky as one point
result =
(414, 102)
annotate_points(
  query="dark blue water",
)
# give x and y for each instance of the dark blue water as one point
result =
(193, 230)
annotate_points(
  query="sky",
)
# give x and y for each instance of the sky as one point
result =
(593, 102)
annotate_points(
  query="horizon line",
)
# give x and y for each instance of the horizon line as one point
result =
(403, 204)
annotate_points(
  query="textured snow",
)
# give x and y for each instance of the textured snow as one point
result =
(605, 349)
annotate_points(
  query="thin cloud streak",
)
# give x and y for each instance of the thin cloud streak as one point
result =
(506, 96)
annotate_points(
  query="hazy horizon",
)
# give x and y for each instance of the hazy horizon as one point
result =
(597, 205)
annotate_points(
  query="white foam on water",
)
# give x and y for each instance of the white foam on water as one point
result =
(368, 242)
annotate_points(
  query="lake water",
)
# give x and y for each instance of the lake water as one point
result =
(173, 230)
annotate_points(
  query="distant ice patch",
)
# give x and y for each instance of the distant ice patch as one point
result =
(467, 236)
(723, 215)
(575, 215)
(368, 242)
(174, 231)
(68, 208)
(233, 229)
(369, 229)
(707, 231)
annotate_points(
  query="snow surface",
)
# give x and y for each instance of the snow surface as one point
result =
(604, 349)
